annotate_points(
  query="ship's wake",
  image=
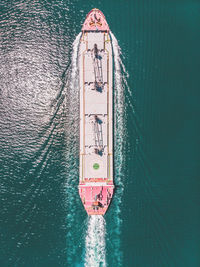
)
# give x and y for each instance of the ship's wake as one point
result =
(95, 254)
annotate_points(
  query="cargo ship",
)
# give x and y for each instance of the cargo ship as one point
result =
(95, 63)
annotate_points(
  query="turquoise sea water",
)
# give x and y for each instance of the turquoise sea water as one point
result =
(154, 218)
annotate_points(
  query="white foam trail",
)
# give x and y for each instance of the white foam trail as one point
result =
(75, 58)
(73, 88)
(72, 96)
(95, 242)
(119, 113)
(121, 74)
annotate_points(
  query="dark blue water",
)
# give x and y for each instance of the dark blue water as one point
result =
(155, 214)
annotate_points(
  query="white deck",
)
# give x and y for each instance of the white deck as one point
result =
(96, 133)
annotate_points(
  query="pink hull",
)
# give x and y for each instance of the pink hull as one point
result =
(96, 199)
(95, 20)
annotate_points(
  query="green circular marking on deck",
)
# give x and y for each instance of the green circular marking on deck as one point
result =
(96, 166)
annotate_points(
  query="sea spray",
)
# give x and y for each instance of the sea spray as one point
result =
(119, 106)
(74, 69)
(95, 242)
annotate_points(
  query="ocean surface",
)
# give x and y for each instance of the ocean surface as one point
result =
(154, 218)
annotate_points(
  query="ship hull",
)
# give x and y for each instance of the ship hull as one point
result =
(96, 114)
